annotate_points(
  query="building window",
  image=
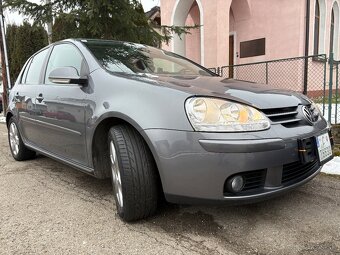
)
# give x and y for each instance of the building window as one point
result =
(317, 28)
(334, 31)
(320, 27)
(331, 40)
(253, 48)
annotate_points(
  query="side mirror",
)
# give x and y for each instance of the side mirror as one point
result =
(66, 75)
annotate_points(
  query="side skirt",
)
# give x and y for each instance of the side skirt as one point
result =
(82, 168)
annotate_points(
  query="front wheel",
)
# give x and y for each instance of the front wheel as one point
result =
(134, 174)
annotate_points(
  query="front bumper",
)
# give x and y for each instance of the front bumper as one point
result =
(194, 166)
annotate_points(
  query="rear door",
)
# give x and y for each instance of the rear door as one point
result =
(25, 97)
(62, 108)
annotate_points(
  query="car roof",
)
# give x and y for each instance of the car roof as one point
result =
(81, 40)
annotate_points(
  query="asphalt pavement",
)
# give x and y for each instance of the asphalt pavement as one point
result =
(50, 208)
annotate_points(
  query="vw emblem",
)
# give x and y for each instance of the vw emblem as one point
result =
(308, 115)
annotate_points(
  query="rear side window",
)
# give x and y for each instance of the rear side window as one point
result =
(34, 69)
(63, 55)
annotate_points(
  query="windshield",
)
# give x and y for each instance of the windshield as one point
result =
(123, 57)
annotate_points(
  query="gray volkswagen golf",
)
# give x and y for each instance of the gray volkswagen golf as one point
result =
(161, 126)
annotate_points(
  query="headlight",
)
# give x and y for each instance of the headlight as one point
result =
(217, 115)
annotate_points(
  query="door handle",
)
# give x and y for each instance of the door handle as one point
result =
(40, 98)
(16, 97)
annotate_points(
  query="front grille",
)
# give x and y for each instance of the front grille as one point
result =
(253, 180)
(296, 171)
(284, 116)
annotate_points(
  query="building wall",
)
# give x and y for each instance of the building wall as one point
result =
(167, 7)
(325, 29)
(193, 40)
(214, 18)
(281, 22)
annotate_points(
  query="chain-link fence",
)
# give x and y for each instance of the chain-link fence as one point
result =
(310, 75)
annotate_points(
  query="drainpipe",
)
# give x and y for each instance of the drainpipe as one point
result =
(305, 73)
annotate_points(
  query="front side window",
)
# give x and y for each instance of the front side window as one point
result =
(130, 58)
(63, 55)
(34, 70)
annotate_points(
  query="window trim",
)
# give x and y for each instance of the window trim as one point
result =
(48, 59)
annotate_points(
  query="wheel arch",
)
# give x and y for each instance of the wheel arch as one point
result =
(8, 117)
(99, 147)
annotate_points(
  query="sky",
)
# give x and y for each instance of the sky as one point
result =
(14, 17)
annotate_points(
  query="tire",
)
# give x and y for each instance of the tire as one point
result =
(138, 195)
(18, 149)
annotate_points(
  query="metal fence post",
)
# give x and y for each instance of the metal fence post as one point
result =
(324, 85)
(305, 76)
(331, 63)
(267, 73)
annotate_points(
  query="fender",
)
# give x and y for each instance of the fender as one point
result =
(120, 118)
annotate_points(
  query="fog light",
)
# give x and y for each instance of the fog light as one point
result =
(235, 184)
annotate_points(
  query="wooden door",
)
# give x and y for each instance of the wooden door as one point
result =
(231, 56)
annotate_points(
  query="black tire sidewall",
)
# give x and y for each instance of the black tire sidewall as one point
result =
(138, 173)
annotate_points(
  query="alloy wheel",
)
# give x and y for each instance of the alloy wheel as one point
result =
(14, 138)
(116, 178)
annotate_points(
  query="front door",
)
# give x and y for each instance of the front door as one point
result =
(231, 56)
(62, 108)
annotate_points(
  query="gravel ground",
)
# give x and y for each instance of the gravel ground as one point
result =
(46, 207)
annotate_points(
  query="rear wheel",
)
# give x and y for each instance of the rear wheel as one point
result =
(19, 151)
(134, 174)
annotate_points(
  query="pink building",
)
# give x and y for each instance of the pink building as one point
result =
(245, 31)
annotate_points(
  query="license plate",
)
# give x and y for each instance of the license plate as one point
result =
(324, 147)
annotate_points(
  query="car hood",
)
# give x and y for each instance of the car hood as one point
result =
(258, 95)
